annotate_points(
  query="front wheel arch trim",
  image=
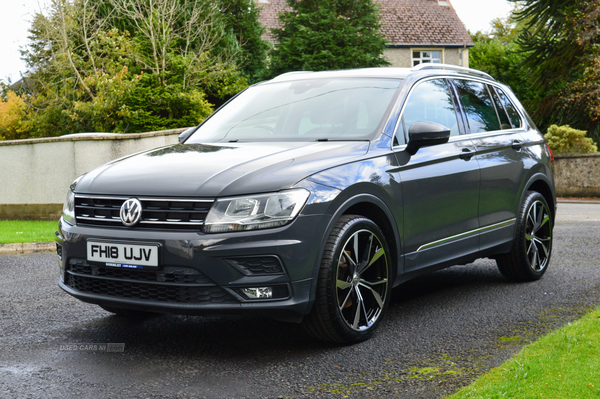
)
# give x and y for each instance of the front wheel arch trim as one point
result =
(342, 210)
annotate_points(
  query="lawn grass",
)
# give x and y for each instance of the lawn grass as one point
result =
(17, 231)
(563, 364)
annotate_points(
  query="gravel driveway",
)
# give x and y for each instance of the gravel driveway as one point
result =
(441, 332)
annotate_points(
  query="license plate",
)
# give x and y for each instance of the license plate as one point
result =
(123, 255)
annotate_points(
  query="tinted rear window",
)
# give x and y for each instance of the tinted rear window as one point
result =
(478, 106)
(504, 121)
(514, 116)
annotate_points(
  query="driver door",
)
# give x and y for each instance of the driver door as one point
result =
(440, 184)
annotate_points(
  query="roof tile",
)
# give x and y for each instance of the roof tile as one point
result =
(404, 22)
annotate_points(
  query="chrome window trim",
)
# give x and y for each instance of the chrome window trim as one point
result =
(400, 114)
(492, 133)
(494, 83)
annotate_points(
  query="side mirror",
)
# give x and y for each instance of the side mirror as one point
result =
(424, 134)
(187, 133)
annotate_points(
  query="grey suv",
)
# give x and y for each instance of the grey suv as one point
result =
(308, 197)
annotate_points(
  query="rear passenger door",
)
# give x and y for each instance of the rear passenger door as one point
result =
(494, 130)
(440, 183)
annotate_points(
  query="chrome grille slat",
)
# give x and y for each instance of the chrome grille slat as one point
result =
(98, 206)
(175, 210)
(94, 218)
(157, 213)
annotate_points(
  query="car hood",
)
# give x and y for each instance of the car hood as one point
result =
(213, 170)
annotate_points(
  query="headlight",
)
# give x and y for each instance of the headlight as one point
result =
(255, 212)
(69, 206)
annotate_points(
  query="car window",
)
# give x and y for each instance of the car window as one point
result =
(430, 101)
(478, 106)
(303, 110)
(504, 121)
(511, 110)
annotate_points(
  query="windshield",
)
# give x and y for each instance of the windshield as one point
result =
(304, 110)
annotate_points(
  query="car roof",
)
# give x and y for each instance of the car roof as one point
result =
(384, 72)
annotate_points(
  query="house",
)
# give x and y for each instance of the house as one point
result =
(416, 31)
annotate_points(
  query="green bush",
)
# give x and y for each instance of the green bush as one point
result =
(563, 139)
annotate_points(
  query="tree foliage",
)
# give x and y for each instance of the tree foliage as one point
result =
(245, 30)
(498, 54)
(135, 65)
(12, 111)
(561, 39)
(328, 34)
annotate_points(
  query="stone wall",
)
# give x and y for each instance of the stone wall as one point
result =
(35, 173)
(577, 175)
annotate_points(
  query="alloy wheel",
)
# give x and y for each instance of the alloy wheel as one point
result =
(538, 236)
(361, 280)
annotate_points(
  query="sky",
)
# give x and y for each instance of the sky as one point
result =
(16, 17)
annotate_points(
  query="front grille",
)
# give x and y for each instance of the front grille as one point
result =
(165, 213)
(168, 284)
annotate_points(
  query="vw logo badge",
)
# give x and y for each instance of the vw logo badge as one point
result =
(131, 212)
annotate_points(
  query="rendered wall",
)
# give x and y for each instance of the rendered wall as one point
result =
(398, 57)
(35, 173)
(401, 57)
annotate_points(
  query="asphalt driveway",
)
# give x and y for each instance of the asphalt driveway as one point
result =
(441, 332)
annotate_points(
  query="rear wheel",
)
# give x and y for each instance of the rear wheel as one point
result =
(354, 284)
(530, 255)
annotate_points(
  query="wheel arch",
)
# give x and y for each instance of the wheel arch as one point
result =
(374, 212)
(542, 184)
(371, 207)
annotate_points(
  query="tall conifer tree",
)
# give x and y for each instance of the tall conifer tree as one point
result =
(328, 34)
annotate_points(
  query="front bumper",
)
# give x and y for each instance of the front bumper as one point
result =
(199, 274)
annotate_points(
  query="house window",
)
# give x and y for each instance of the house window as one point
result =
(426, 57)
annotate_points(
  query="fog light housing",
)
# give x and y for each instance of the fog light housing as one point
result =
(59, 251)
(258, 292)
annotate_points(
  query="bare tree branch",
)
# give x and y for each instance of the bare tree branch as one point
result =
(159, 21)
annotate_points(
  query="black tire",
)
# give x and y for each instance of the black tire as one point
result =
(355, 280)
(130, 313)
(532, 247)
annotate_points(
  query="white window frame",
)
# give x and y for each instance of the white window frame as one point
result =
(421, 58)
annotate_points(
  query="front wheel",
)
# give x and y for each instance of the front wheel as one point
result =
(532, 247)
(354, 284)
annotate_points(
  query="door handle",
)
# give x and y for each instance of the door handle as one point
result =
(466, 154)
(516, 145)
